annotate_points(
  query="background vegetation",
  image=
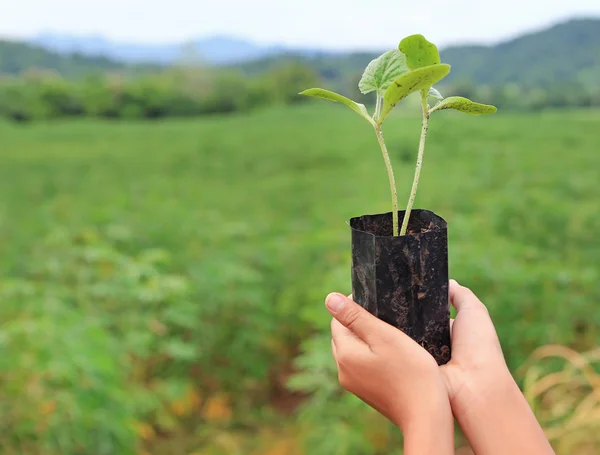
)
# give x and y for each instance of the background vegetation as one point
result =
(557, 67)
(162, 283)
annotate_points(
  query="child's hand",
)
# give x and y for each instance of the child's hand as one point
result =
(393, 374)
(485, 399)
(388, 370)
(477, 365)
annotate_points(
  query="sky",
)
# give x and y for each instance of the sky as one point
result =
(327, 24)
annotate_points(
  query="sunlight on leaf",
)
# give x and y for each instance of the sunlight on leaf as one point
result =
(410, 82)
(465, 105)
(337, 98)
(382, 71)
(419, 52)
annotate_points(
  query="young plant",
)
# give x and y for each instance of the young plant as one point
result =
(414, 67)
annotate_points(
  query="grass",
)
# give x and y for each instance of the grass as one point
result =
(252, 211)
(565, 399)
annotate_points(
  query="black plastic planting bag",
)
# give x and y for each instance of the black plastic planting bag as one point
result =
(403, 280)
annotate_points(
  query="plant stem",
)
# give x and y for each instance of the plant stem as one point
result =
(390, 171)
(378, 108)
(413, 191)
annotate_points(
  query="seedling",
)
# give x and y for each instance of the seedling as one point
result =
(403, 279)
(413, 67)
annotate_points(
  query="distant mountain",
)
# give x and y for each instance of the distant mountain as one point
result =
(16, 57)
(98, 46)
(216, 50)
(565, 52)
(223, 49)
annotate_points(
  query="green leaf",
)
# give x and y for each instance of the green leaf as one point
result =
(465, 105)
(382, 71)
(419, 52)
(421, 78)
(337, 98)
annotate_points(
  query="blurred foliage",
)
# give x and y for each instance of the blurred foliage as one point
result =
(553, 68)
(82, 329)
(182, 92)
(176, 92)
(162, 284)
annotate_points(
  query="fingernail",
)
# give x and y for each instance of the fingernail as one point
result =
(335, 302)
(455, 282)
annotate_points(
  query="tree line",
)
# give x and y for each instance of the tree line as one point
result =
(185, 92)
(175, 92)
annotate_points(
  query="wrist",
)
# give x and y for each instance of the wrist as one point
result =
(468, 393)
(421, 403)
(496, 418)
(431, 428)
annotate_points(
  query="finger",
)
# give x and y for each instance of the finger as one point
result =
(355, 318)
(462, 298)
(345, 338)
(451, 324)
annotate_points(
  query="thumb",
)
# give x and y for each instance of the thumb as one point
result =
(354, 317)
(462, 298)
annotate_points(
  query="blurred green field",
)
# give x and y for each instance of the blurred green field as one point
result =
(162, 283)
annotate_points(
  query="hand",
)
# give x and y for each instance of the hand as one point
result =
(389, 371)
(477, 360)
(486, 401)
(393, 374)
